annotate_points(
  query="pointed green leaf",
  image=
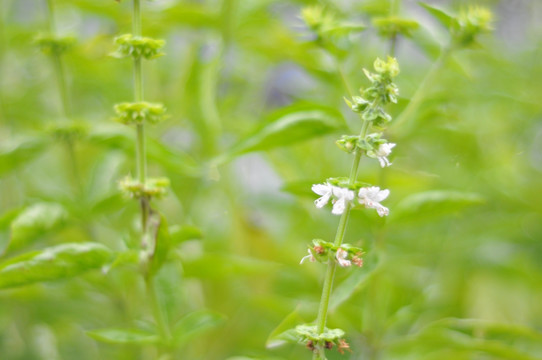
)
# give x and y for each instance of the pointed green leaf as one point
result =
(181, 233)
(194, 324)
(442, 16)
(124, 336)
(34, 221)
(287, 127)
(58, 262)
(435, 202)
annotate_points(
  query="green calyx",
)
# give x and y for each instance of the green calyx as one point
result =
(307, 333)
(137, 47)
(323, 250)
(153, 187)
(344, 182)
(54, 45)
(139, 112)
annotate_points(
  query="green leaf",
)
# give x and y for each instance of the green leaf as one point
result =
(124, 336)
(442, 16)
(287, 127)
(181, 233)
(435, 202)
(18, 153)
(219, 266)
(195, 324)
(34, 221)
(5, 222)
(54, 263)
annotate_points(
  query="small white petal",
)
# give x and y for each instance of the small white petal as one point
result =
(339, 206)
(310, 257)
(325, 190)
(341, 258)
(322, 189)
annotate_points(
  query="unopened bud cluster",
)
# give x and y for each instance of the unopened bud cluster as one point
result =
(129, 113)
(153, 187)
(137, 47)
(471, 22)
(54, 45)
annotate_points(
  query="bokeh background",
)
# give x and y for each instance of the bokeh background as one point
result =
(454, 272)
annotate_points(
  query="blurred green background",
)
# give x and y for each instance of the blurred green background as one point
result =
(454, 272)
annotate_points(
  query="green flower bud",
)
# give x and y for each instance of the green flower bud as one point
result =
(348, 143)
(389, 68)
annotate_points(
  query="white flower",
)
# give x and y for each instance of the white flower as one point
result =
(341, 197)
(325, 191)
(382, 153)
(341, 258)
(310, 257)
(371, 198)
(344, 196)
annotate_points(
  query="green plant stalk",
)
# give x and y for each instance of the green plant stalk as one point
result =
(140, 128)
(158, 313)
(339, 237)
(58, 64)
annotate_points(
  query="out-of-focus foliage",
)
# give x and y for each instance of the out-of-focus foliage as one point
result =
(254, 108)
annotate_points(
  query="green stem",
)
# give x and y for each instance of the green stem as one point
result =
(339, 237)
(140, 128)
(51, 17)
(60, 75)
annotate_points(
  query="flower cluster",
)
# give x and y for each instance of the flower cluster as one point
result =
(54, 45)
(138, 47)
(392, 25)
(342, 197)
(471, 22)
(139, 112)
(154, 187)
(345, 255)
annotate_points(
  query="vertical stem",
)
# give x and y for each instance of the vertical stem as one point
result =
(140, 128)
(60, 75)
(339, 237)
(51, 17)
